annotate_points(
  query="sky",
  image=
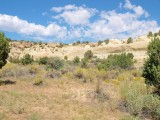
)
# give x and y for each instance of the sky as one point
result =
(72, 20)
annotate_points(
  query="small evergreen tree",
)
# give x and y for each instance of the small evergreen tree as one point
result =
(130, 40)
(150, 34)
(55, 63)
(151, 71)
(106, 41)
(100, 42)
(4, 49)
(88, 55)
(65, 57)
(43, 60)
(27, 59)
(76, 60)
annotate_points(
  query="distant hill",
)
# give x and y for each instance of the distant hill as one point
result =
(38, 50)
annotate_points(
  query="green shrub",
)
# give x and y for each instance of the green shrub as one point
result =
(76, 60)
(66, 57)
(100, 42)
(123, 61)
(43, 60)
(150, 34)
(88, 55)
(151, 71)
(55, 63)
(84, 63)
(130, 40)
(138, 100)
(106, 41)
(27, 59)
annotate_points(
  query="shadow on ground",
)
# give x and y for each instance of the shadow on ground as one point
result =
(7, 82)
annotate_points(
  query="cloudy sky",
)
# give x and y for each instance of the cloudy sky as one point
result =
(71, 20)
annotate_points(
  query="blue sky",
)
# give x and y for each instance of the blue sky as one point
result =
(71, 20)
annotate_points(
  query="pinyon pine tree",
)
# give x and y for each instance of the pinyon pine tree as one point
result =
(151, 71)
(4, 49)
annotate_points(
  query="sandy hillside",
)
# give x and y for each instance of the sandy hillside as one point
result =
(138, 48)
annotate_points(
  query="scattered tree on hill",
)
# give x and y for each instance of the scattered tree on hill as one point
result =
(78, 42)
(151, 71)
(27, 59)
(106, 41)
(130, 40)
(150, 34)
(76, 60)
(100, 42)
(4, 49)
(88, 55)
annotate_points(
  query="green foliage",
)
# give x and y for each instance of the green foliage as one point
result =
(150, 34)
(100, 42)
(76, 60)
(55, 63)
(123, 61)
(4, 49)
(43, 60)
(85, 42)
(151, 71)
(130, 40)
(66, 57)
(88, 55)
(84, 63)
(78, 42)
(38, 81)
(106, 41)
(27, 59)
(130, 118)
(138, 100)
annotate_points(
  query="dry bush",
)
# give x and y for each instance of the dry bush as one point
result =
(125, 76)
(38, 81)
(136, 73)
(113, 74)
(79, 73)
(53, 74)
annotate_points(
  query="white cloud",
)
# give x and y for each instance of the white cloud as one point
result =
(65, 8)
(137, 9)
(74, 15)
(15, 24)
(77, 23)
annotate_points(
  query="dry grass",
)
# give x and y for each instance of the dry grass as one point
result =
(63, 98)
